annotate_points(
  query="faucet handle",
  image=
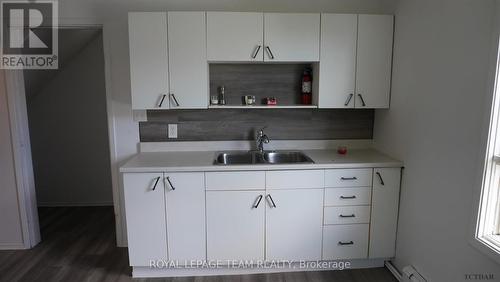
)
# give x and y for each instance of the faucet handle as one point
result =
(261, 131)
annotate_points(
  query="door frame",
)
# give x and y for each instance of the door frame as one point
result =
(14, 80)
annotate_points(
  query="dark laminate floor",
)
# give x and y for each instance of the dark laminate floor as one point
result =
(78, 244)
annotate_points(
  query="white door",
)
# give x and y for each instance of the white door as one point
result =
(384, 217)
(235, 225)
(145, 213)
(338, 60)
(235, 36)
(294, 224)
(148, 60)
(291, 37)
(185, 194)
(188, 66)
(374, 61)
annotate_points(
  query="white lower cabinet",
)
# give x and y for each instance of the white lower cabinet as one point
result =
(293, 224)
(384, 215)
(348, 241)
(235, 225)
(262, 215)
(185, 198)
(145, 212)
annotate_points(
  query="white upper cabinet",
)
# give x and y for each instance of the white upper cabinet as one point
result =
(188, 68)
(235, 36)
(338, 60)
(356, 60)
(374, 61)
(291, 37)
(148, 60)
(384, 215)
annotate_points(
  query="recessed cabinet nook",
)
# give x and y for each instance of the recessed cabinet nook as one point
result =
(350, 55)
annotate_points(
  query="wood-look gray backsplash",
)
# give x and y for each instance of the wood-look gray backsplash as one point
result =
(242, 124)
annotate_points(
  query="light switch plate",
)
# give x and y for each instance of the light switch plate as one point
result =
(172, 131)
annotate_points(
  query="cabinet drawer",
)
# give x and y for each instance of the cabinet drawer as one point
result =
(347, 196)
(348, 177)
(290, 179)
(347, 215)
(345, 241)
(235, 180)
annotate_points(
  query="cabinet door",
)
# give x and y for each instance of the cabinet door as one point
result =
(294, 226)
(374, 61)
(235, 228)
(384, 217)
(145, 213)
(148, 60)
(185, 194)
(235, 36)
(338, 60)
(291, 37)
(188, 68)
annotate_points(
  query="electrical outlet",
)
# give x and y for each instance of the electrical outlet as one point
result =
(172, 131)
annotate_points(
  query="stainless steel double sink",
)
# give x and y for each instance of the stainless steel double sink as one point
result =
(266, 157)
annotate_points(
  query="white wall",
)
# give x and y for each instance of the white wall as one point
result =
(11, 235)
(69, 133)
(444, 51)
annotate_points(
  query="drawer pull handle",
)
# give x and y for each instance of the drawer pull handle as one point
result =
(348, 100)
(170, 183)
(346, 243)
(258, 202)
(156, 183)
(346, 216)
(175, 99)
(380, 178)
(161, 101)
(271, 55)
(256, 52)
(362, 100)
(349, 178)
(271, 198)
(348, 197)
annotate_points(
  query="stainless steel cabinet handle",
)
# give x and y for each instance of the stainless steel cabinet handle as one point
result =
(348, 100)
(345, 216)
(348, 178)
(156, 183)
(256, 52)
(380, 178)
(175, 100)
(271, 198)
(258, 202)
(362, 100)
(162, 99)
(346, 243)
(170, 183)
(349, 197)
(269, 52)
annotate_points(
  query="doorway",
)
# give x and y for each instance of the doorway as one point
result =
(68, 124)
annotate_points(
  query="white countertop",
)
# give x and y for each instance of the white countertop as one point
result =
(204, 161)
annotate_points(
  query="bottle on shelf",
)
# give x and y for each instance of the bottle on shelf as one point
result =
(306, 96)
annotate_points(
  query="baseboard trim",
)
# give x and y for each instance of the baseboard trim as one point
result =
(147, 272)
(12, 246)
(65, 204)
(395, 272)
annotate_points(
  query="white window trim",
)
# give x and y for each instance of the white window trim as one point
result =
(488, 183)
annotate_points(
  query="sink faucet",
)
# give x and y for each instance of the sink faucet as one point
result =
(261, 140)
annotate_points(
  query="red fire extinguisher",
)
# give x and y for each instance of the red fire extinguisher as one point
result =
(306, 97)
